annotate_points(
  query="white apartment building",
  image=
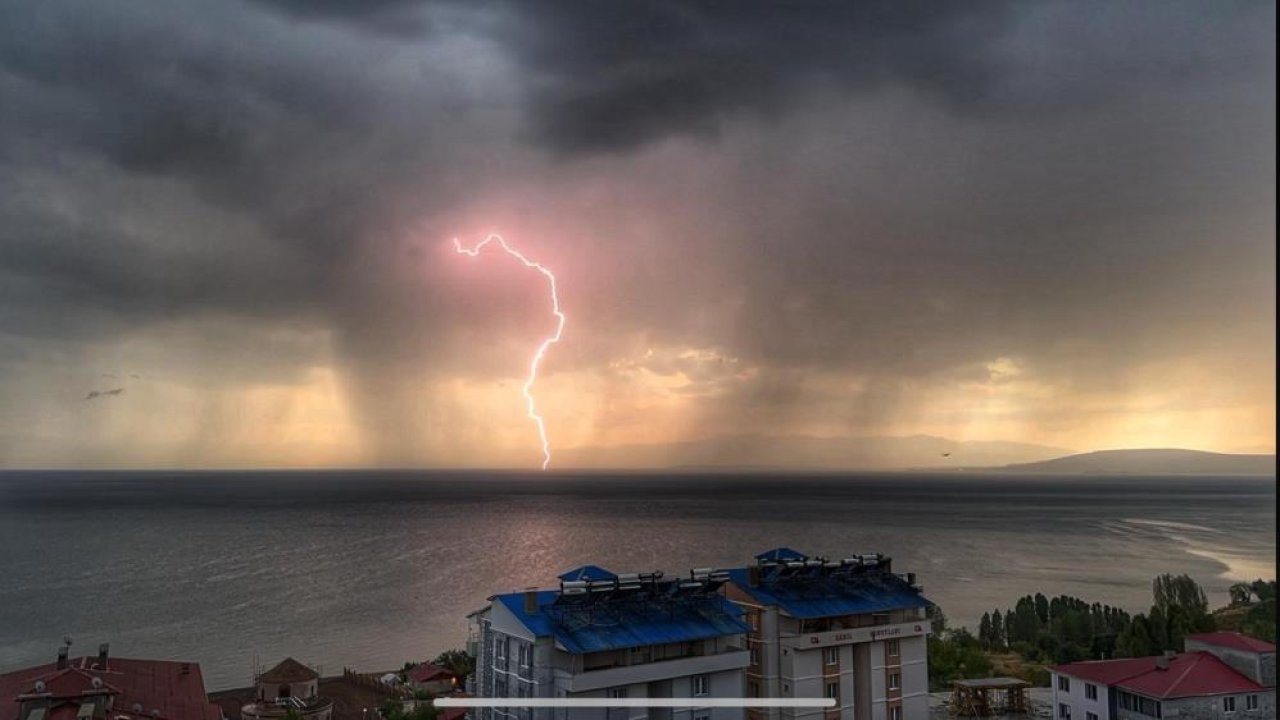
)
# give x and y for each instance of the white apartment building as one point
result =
(602, 635)
(850, 630)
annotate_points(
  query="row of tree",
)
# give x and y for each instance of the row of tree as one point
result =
(1068, 629)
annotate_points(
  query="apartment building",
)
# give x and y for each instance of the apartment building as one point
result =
(849, 629)
(602, 635)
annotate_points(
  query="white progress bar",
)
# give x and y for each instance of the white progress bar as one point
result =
(636, 702)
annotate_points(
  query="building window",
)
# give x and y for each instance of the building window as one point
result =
(701, 685)
(753, 689)
(1091, 716)
(1250, 702)
(1091, 691)
(895, 681)
(833, 690)
(753, 621)
(1064, 711)
(1228, 704)
(895, 713)
(892, 648)
(704, 715)
(618, 693)
(831, 656)
(1064, 684)
(755, 655)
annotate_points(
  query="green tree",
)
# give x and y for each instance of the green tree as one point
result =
(458, 662)
(1042, 609)
(1026, 622)
(985, 632)
(1170, 591)
(937, 620)
(955, 654)
(1136, 640)
(998, 630)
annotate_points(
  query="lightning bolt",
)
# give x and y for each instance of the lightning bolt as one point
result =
(531, 405)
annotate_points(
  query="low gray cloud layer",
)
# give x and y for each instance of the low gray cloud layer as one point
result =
(877, 195)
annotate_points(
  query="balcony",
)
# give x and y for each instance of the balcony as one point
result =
(661, 670)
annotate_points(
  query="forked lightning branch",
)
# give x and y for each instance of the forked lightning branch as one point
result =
(531, 405)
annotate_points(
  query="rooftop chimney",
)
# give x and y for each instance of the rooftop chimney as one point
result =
(62, 657)
(531, 601)
(102, 655)
(1162, 662)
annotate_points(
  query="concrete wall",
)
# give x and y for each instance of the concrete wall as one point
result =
(304, 690)
(1076, 697)
(1267, 663)
(725, 683)
(1244, 661)
(1208, 708)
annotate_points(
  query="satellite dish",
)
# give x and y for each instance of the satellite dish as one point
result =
(96, 682)
(39, 686)
(137, 708)
(66, 640)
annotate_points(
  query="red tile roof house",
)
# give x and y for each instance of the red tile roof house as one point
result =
(431, 678)
(1221, 675)
(106, 688)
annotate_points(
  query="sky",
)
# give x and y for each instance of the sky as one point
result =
(1037, 222)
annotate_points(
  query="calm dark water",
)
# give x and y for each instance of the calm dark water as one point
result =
(370, 569)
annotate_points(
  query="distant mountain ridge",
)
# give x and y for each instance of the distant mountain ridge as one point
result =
(1153, 461)
(808, 453)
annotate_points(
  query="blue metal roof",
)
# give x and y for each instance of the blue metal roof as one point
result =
(618, 625)
(809, 600)
(782, 554)
(588, 572)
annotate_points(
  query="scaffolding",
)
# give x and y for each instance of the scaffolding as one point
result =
(989, 697)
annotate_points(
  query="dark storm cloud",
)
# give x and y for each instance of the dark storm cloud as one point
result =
(213, 117)
(895, 190)
(614, 76)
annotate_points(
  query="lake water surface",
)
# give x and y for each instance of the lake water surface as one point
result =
(370, 569)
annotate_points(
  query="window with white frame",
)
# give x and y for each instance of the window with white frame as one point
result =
(1064, 711)
(755, 654)
(1228, 704)
(1091, 716)
(833, 690)
(831, 656)
(1064, 683)
(618, 693)
(893, 648)
(1250, 702)
(1091, 691)
(895, 712)
(895, 681)
(701, 685)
